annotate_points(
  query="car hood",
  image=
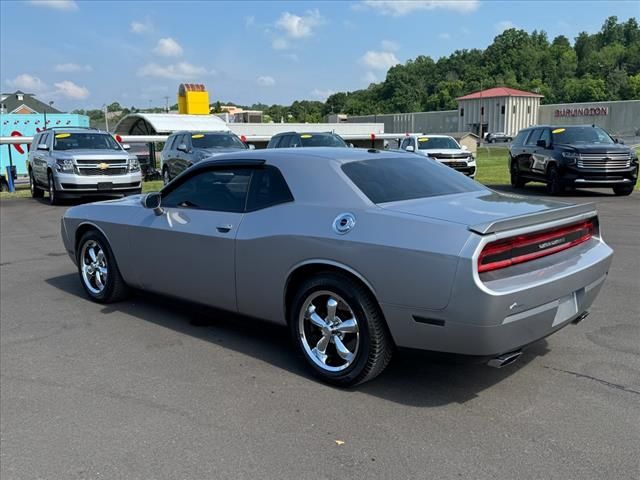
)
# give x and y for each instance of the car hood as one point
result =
(473, 208)
(90, 154)
(218, 151)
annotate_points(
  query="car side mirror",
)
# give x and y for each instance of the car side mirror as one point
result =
(252, 146)
(542, 143)
(153, 200)
(351, 145)
(182, 148)
(126, 146)
(43, 146)
(410, 148)
(465, 148)
(617, 140)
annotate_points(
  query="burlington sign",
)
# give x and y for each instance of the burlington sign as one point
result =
(581, 112)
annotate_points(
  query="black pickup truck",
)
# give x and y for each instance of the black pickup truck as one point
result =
(572, 156)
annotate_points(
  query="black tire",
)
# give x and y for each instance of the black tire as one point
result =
(554, 182)
(36, 192)
(516, 180)
(53, 193)
(374, 346)
(115, 289)
(3, 187)
(623, 190)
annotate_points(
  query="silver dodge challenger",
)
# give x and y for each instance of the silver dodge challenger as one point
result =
(358, 252)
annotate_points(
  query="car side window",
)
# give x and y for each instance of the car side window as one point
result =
(534, 137)
(519, 140)
(169, 145)
(45, 139)
(404, 144)
(222, 190)
(546, 136)
(268, 188)
(295, 141)
(284, 141)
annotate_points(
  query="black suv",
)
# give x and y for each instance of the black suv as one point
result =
(572, 156)
(310, 139)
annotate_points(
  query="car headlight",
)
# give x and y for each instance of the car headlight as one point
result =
(471, 159)
(572, 157)
(134, 165)
(64, 165)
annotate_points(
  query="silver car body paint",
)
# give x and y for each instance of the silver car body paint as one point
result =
(418, 257)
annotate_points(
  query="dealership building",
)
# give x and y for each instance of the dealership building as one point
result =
(509, 110)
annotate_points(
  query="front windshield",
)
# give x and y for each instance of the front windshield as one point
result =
(90, 141)
(216, 140)
(321, 140)
(430, 143)
(573, 135)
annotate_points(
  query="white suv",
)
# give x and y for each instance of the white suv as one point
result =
(444, 149)
(77, 162)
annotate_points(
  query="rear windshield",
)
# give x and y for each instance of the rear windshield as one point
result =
(428, 143)
(573, 135)
(77, 141)
(216, 140)
(321, 140)
(404, 178)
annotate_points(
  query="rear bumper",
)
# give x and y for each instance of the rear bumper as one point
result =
(501, 315)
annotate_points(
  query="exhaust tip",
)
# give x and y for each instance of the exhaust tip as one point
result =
(504, 359)
(580, 317)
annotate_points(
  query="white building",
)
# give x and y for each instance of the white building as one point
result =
(498, 109)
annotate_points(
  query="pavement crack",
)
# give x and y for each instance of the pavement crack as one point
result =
(595, 379)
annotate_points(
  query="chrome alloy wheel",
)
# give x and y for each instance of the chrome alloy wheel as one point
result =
(329, 331)
(94, 267)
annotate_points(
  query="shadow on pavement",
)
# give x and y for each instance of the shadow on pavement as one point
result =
(413, 378)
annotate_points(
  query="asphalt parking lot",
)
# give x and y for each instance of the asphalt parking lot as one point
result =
(151, 388)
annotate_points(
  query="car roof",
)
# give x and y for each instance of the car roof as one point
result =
(430, 135)
(73, 130)
(304, 133)
(203, 132)
(277, 156)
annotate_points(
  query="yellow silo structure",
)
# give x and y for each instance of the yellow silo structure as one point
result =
(193, 99)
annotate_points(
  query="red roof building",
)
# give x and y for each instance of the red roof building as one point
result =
(499, 109)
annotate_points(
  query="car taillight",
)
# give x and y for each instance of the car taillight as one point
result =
(523, 248)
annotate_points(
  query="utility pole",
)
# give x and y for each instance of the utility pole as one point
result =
(106, 119)
(166, 101)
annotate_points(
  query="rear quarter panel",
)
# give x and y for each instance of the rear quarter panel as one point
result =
(406, 260)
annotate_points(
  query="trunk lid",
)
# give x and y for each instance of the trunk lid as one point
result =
(486, 211)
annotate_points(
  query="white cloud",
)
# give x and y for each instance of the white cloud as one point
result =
(179, 71)
(295, 26)
(27, 83)
(390, 46)
(504, 25)
(444, 36)
(369, 78)
(399, 8)
(322, 94)
(266, 81)
(379, 60)
(72, 67)
(140, 27)
(69, 89)
(168, 47)
(249, 21)
(279, 44)
(67, 5)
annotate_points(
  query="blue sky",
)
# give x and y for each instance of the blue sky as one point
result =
(82, 54)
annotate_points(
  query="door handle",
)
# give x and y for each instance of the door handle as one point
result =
(224, 228)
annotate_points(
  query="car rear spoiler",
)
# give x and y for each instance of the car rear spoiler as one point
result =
(574, 212)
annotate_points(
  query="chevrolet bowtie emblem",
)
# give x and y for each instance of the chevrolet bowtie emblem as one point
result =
(103, 166)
